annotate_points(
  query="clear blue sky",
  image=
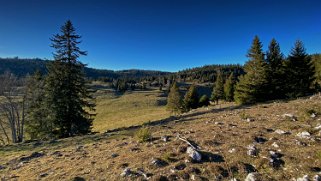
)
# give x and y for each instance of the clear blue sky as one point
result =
(159, 34)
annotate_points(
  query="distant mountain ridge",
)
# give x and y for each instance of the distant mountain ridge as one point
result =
(23, 66)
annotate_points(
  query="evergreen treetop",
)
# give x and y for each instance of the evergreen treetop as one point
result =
(174, 100)
(191, 98)
(253, 86)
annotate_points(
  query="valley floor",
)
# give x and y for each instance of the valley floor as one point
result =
(269, 139)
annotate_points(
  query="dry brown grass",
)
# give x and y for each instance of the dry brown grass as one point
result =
(215, 130)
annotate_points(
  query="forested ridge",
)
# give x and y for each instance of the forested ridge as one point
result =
(24, 66)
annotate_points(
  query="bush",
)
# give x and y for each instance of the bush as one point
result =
(143, 135)
(204, 101)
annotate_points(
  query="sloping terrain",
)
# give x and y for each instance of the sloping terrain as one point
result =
(275, 141)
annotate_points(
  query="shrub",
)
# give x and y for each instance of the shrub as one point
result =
(204, 101)
(143, 135)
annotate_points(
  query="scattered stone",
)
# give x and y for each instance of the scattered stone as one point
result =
(304, 135)
(32, 156)
(79, 148)
(275, 145)
(43, 175)
(114, 155)
(254, 176)
(318, 127)
(275, 160)
(158, 162)
(252, 150)
(195, 155)
(304, 178)
(317, 178)
(260, 140)
(279, 131)
(290, 116)
(232, 150)
(249, 120)
(126, 172)
(180, 166)
(300, 143)
(313, 115)
(165, 138)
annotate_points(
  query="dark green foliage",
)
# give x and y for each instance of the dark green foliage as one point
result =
(253, 86)
(191, 98)
(174, 100)
(68, 99)
(300, 72)
(218, 89)
(229, 88)
(275, 61)
(23, 66)
(316, 60)
(208, 73)
(204, 101)
(36, 126)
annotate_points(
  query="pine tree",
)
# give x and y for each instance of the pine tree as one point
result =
(36, 126)
(174, 100)
(218, 89)
(191, 98)
(67, 96)
(253, 86)
(275, 61)
(229, 88)
(300, 71)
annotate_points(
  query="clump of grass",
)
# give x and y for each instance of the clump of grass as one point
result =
(168, 157)
(143, 135)
(318, 155)
(243, 115)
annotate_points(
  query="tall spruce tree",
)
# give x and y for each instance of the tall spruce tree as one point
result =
(191, 98)
(300, 71)
(68, 97)
(174, 100)
(253, 86)
(218, 89)
(229, 88)
(275, 61)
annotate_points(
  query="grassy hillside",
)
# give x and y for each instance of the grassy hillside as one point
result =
(128, 109)
(223, 135)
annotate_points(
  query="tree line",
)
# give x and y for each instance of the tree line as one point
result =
(267, 76)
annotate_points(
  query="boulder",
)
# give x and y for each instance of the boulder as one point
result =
(158, 162)
(126, 172)
(289, 116)
(304, 135)
(317, 178)
(304, 178)
(252, 150)
(254, 176)
(195, 155)
(279, 131)
(165, 138)
(318, 127)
